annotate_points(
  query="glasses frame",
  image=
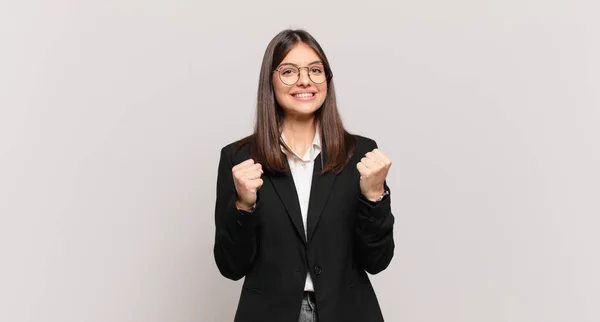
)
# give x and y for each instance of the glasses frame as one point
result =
(328, 74)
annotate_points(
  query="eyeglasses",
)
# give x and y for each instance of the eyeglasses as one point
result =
(289, 74)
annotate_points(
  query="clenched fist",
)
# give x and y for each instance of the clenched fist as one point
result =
(373, 169)
(246, 177)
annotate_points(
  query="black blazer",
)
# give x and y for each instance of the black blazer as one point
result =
(347, 237)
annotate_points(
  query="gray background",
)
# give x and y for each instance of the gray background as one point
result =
(113, 114)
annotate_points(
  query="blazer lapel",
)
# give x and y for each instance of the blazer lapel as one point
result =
(319, 193)
(286, 190)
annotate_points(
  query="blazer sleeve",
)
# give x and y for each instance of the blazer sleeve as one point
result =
(374, 232)
(235, 236)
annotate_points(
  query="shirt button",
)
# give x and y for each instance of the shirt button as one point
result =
(318, 270)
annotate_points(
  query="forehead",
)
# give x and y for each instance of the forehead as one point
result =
(301, 55)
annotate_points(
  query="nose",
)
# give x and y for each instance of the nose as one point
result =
(303, 78)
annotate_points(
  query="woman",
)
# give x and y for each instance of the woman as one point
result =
(303, 207)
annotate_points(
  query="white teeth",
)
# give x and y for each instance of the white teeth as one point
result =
(304, 95)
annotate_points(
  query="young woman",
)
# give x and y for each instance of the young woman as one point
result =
(303, 208)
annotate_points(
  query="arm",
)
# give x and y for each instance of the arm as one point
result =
(374, 222)
(235, 237)
(374, 234)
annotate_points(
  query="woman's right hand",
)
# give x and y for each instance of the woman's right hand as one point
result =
(246, 177)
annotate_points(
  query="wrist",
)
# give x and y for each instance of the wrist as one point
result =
(242, 206)
(374, 196)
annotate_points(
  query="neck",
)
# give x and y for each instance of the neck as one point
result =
(299, 133)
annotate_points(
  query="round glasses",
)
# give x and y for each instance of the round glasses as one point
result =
(290, 74)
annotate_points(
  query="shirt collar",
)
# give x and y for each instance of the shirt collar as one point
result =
(312, 151)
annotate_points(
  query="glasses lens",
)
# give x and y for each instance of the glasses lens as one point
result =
(289, 74)
(317, 74)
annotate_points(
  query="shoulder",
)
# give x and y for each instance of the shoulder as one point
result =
(364, 144)
(237, 151)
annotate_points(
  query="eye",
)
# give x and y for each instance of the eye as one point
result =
(286, 71)
(316, 70)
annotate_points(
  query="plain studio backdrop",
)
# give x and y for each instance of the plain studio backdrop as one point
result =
(113, 113)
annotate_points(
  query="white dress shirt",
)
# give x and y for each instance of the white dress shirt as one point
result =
(302, 172)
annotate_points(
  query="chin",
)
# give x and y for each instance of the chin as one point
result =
(304, 110)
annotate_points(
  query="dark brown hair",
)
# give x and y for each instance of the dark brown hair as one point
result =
(265, 143)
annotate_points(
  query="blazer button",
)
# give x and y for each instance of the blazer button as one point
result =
(318, 270)
(371, 219)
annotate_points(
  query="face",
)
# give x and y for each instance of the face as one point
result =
(304, 97)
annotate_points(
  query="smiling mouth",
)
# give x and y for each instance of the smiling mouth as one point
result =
(303, 95)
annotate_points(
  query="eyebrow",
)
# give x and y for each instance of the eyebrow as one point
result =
(312, 63)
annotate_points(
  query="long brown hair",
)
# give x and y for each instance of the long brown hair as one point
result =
(265, 143)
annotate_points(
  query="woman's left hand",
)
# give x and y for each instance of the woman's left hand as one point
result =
(373, 169)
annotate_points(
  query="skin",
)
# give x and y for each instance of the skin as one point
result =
(298, 126)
